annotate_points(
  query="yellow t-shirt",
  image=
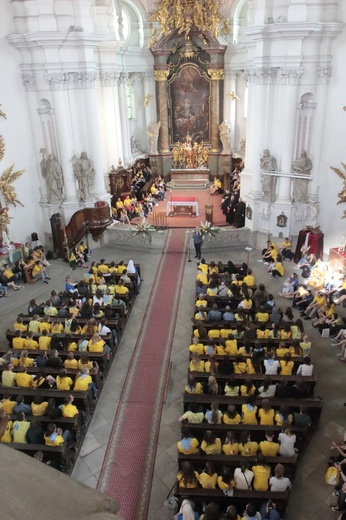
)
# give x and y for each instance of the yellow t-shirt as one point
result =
(7, 406)
(262, 334)
(280, 352)
(262, 316)
(39, 409)
(44, 342)
(97, 346)
(286, 368)
(249, 449)
(207, 481)
(69, 410)
(31, 344)
(196, 367)
(7, 437)
(249, 280)
(198, 389)
(261, 478)
(214, 333)
(231, 347)
(63, 383)
(198, 347)
(266, 418)
(23, 380)
(82, 383)
(269, 449)
(54, 440)
(71, 363)
(121, 289)
(20, 326)
(192, 448)
(230, 449)
(18, 343)
(249, 416)
(227, 420)
(44, 325)
(212, 449)
(202, 277)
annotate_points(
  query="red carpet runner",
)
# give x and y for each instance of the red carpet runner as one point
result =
(128, 465)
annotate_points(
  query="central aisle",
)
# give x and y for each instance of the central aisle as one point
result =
(129, 460)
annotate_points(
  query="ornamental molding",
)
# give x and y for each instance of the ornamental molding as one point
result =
(290, 75)
(261, 75)
(29, 81)
(216, 74)
(71, 80)
(110, 78)
(161, 75)
(232, 74)
(324, 73)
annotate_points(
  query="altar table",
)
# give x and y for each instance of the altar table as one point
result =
(182, 206)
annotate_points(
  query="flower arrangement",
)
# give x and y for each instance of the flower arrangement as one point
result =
(143, 229)
(207, 229)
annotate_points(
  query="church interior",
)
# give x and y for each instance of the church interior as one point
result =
(172, 151)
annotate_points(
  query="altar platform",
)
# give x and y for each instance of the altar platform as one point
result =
(193, 174)
(182, 206)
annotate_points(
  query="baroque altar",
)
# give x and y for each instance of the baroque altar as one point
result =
(189, 155)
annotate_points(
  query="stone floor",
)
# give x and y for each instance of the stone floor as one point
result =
(310, 497)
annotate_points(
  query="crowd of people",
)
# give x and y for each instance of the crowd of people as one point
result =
(233, 207)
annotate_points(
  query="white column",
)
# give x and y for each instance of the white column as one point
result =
(149, 88)
(58, 83)
(124, 118)
(93, 131)
(323, 77)
(111, 111)
(229, 105)
(289, 77)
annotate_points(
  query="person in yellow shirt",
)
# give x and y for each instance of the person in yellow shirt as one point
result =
(211, 445)
(121, 267)
(44, 340)
(196, 363)
(68, 409)
(247, 447)
(18, 342)
(305, 345)
(208, 477)
(231, 345)
(25, 360)
(261, 474)
(7, 405)
(39, 271)
(214, 333)
(231, 416)
(84, 381)
(286, 249)
(187, 476)
(247, 388)
(266, 414)
(8, 376)
(249, 279)
(286, 365)
(10, 276)
(120, 288)
(283, 416)
(317, 303)
(201, 301)
(262, 315)
(54, 436)
(19, 325)
(103, 268)
(30, 343)
(249, 411)
(71, 362)
(201, 315)
(39, 406)
(119, 204)
(192, 386)
(282, 350)
(286, 332)
(262, 332)
(202, 277)
(49, 310)
(188, 444)
(225, 480)
(34, 324)
(85, 362)
(230, 446)
(277, 268)
(269, 448)
(96, 343)
(63, 381)
(196, 346)
(23, 380)
(45, 324)
(5, 428)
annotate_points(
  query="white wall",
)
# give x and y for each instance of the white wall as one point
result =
(16, 130)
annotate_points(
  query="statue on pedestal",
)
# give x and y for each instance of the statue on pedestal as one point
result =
(302, 166)
(225, 136)
(152, 132)
(84, 172)
(52, 173)
(268, 163)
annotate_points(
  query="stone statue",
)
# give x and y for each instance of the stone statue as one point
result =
(268, 163)
(135, 145)
(84, 172)
(152, 132)
(312, 216)
(52, 174)
(225, 136)
(242, 146)
(302, 166)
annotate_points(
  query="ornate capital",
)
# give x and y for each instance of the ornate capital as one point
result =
(29, 81)
(57, 80)
(216, 74)
(261, 75)
(109, 78)
(290, 75)
(83, 79)
(234, 74)
(324, 74)
(161, 75)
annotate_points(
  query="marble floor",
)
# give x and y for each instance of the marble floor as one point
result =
(310, 497)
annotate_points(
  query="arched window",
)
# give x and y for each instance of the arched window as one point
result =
(129, 25)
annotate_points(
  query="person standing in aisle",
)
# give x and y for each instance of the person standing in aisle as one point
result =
(197, 242)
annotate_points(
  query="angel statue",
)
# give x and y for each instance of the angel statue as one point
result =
(342, 193)
(152, 132)
(225, 136)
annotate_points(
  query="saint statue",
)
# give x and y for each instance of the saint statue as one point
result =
(268, 164)
(84, 173)
(152, 132)
(52, 173)
(302, 166)
(225, 136)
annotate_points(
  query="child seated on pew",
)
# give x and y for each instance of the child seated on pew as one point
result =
(266, 414)
(208, 477)
(211, 445)
(249, 411)
(84, 381)
(19, 325)
(225, 479)
(25, 360)
(247, 388)
(71, 362)
(196, 346)
(193, 387)
(196, 363)
(5, 428)
(247, 447)
(34, 324)
(261, 474)
(44, 340)
(231, 416)
(187, 477)
(39, 406)
(269, 448)
(63, 381)
(18, 341)
(68, 409)
(230, 446)
(231, 345)
(214, 415)
(283, 416)
(286, 365)
(188, 444)
(193, 415)
(231, 387)
(54, 436)
(6, 404)
(30, 342)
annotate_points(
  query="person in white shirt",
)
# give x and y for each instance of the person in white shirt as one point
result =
(271, 365)
(103, 330)
(279, 482)
(287, 441)
(267, 389)
(306, 369)
(243, 477)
